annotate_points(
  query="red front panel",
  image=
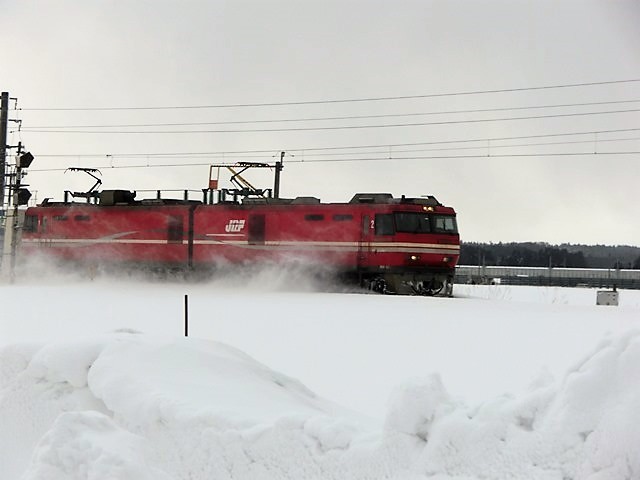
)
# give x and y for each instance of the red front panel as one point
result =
(392, 249)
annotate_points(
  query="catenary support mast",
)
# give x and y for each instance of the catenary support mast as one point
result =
(276, 184)
(4, 120)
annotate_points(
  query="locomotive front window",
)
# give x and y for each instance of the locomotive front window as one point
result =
(411, 222)
(445, 224)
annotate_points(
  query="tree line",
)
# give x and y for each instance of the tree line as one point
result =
(537, 254)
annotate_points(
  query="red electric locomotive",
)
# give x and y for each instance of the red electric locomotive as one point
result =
(390, 245)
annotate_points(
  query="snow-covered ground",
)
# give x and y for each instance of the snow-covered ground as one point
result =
(98, 382)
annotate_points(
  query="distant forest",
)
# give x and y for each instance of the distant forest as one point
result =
(544, 255)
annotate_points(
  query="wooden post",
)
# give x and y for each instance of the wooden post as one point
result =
(186, 315)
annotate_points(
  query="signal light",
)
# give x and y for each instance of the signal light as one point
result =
(25, 160)
(22, 196)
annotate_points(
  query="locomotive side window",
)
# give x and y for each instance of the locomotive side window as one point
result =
(343, 217)
(384, 224)
(175, 229)
(82, 218)
(60, 218)
(412, 222)
(30, 223)
(314, 217)
(445, 224)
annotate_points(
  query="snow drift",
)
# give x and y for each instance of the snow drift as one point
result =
(130, 406)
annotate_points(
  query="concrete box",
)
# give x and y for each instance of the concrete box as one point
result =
(607, 297)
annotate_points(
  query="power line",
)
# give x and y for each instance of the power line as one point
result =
(341, 127)
(313, 119)
(486, 146)
(437, 157)
(345, 147)
(305, 154)
(349, 100)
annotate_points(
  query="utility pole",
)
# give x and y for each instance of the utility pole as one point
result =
(15, 217)
(19, 196)
(4, 121)
(12, 192)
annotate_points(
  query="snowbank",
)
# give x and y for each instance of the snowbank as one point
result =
(585, 427)
(131, 406)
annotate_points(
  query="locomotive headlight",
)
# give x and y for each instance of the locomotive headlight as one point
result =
(414, 258)
(446, 259)
(428, 209)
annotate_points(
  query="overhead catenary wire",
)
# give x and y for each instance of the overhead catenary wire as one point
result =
(348, 100)
(340, 127)
(313, 119)
(307, 150)
(487, 145)
(372, 159)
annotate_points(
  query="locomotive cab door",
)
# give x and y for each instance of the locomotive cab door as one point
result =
(175, 229)
(256, 229)
(364, 245)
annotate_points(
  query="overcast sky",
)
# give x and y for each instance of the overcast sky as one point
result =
(103, 54)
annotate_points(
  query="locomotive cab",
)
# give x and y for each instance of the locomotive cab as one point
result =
(411, 247)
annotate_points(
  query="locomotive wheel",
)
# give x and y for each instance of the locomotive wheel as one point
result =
(431, 290)
(448, 288)
(428, 289)
(379, 285)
